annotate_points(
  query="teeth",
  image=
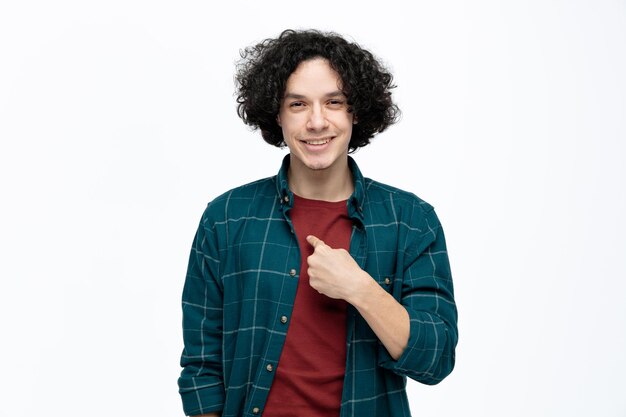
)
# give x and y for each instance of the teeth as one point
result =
(317, 142)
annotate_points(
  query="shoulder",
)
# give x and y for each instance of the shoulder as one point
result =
(379, 194)
(240, 201)
(415, 220)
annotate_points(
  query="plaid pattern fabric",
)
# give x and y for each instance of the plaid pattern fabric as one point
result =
(241, 283)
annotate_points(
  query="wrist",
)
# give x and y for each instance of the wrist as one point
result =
(362, 297)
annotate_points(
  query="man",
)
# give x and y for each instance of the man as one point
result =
(315, 292)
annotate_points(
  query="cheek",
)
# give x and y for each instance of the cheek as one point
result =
(290, 125)
(346, 126)
(290, 133)
(344, 120)
(280, 118)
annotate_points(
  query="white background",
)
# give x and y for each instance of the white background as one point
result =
(118, 125)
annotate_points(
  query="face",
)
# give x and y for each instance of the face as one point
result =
(314, 117)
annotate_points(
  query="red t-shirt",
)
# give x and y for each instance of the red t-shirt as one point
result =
(310, 373)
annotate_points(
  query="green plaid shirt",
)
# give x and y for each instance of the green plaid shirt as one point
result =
(241, 285)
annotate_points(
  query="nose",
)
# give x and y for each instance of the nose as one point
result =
(317, 118)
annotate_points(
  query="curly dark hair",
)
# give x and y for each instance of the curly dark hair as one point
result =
(264, 68)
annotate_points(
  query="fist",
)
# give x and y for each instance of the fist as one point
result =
(333, 272)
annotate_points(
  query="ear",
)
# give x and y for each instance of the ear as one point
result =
(278, 120)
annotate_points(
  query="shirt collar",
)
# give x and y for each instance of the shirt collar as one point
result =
(355, 202)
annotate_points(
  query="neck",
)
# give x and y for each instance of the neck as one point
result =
(334, 183)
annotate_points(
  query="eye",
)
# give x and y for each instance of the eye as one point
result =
(336, 102)
(296, 104)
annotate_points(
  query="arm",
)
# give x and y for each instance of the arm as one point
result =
(201, 382)
(426, 292)
(387, 318)
(334, 273)
(419, 331)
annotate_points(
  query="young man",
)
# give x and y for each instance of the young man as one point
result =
(315, 292)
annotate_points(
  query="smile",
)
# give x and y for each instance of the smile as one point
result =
(318, 142)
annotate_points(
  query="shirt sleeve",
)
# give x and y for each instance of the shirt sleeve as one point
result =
(427, 294)
(201, 383)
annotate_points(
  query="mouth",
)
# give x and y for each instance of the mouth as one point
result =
(316, 141)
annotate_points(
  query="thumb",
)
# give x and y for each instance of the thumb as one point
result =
(314, 241)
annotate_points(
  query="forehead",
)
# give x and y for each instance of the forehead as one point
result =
(313, 75)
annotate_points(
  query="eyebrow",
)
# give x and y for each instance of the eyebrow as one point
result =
(337, 93)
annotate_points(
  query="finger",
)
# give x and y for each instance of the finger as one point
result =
(314, 241)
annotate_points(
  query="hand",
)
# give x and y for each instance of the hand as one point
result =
(334, 273)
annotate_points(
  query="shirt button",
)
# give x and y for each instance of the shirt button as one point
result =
(256, 410)
(269, 367)
(286, 199)
(292, 272)
(387, 281)
(283, 319)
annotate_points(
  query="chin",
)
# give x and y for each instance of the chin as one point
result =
(319, 164)
(318, 167)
